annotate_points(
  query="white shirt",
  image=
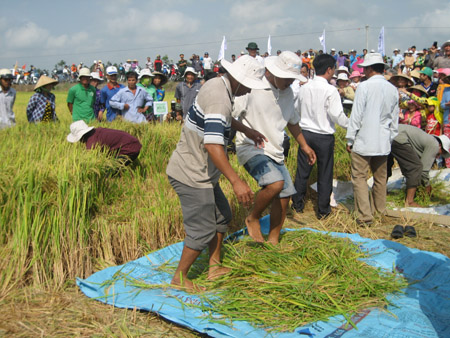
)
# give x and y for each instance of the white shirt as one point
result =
(374, 119)
(7, 99)
(268, 111)
(207, 63)
(320, 107)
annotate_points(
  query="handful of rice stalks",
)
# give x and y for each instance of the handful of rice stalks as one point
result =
(307, 277)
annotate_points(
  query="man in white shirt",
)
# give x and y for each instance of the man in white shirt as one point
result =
(207, 63)
(7, 99)
(372, 127)
(397, 59)
(253, 49)
(270, 111)
(320, 107)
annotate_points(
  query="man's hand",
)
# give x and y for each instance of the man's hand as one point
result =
(256, 137)
(100, 115)
(243, 193)
(126, 106)
(252, 134)
(310, 154)
(349, 148)
(142, 110)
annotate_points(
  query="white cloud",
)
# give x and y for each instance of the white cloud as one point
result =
(25, 36)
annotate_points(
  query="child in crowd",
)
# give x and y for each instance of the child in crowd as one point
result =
(411, 115)
(99, 107)
(356, 79)
(434, 116)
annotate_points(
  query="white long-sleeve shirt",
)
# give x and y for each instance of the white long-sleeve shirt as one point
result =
(374, 118)
(320, 107)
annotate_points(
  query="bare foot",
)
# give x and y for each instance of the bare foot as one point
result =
(254, 230)
(273, 241)
(217, 271)
(187, 285)
(412, 204)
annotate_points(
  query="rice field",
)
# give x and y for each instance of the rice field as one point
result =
(67, 212)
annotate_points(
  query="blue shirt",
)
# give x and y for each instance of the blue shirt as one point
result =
(446, 109)
(106, 93)
(139, 99)
(374, 119)
(396, 59)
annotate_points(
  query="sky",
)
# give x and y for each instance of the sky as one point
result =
(44, 32)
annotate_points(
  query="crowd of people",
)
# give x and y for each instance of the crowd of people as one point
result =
(391, 108)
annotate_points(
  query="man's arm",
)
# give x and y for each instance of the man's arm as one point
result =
(335, 110)
(298, 135)
(242, 191)
(354, 123)
(70, 106)
(116, 103)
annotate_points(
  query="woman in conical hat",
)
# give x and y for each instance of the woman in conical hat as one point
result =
(41, 106)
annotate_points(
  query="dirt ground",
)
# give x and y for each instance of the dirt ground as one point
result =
(68, 313)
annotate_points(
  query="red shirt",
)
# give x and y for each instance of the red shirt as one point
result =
(433, 127)
(117, 142)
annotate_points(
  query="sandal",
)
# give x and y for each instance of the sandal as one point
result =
(397, 232)
(410, 231)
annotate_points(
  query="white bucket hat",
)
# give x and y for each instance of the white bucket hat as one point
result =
(246, 70)
(145, 72)
(77, 130)
(445, 145)
(96, 76)
(111, 70)
(190, 70)
(287, 65)
(84, 72)
(372, 59)
(343, 69)
(342, 76)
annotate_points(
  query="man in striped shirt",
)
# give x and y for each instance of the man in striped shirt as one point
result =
(199, 160)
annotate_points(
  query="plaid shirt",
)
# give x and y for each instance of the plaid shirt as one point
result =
(36, 107)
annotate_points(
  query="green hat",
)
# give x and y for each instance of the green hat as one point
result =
(427, 71)
(178, 107)
(252, 45)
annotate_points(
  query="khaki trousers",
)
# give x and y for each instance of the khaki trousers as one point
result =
(366, 205)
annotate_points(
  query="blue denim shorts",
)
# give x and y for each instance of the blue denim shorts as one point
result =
(266, 171)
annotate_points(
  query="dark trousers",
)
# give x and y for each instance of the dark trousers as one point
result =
(409, 163)
(323, 145)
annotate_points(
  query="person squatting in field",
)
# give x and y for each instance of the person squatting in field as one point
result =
(199, 160)
(270, 111)
(117, 142)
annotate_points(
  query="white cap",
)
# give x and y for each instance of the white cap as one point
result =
(111, 70)
(96, 76)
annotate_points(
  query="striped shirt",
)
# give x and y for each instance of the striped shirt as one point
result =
(207, 122)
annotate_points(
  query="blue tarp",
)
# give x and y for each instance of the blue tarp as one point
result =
(422, 311)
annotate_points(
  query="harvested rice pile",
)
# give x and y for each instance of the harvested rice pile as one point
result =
(307, 277)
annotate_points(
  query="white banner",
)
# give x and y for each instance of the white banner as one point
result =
(223, 48)
(322, 41)
(381, 42)
(269, 46)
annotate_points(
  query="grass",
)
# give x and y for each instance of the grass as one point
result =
(64, 214)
